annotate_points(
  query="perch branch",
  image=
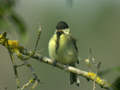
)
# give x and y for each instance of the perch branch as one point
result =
(20, 50)
(89, 75)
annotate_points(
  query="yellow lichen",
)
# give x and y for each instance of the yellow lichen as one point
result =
(92, 75)
(13, 43)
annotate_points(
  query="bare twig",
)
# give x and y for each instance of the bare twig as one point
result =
(20, 50)
(89, 75)
(38, 38)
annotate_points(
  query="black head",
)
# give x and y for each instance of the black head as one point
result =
(62, 25)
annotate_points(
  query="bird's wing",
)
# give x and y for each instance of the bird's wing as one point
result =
(76, 48)
(74, 44)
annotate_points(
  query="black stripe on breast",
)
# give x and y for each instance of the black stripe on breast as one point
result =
(59, 33)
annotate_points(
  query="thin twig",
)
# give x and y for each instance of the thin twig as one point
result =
(18, 50)
(38, 38)
(89, 75)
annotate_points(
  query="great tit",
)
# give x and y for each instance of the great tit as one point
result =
(63, 49)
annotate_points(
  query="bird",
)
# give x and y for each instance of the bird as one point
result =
(63, 49)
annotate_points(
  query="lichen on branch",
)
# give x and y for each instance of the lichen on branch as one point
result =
(21, 51)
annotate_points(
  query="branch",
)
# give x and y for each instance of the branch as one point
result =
(20, 51)
(89, 75)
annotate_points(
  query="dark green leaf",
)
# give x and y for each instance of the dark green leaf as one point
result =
(18, 22)
(116, 84)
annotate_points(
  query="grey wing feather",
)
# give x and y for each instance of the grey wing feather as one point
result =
(74, 44)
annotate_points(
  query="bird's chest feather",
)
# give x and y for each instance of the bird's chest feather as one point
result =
(65, 52)
(64, 42)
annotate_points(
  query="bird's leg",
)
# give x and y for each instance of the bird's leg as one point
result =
(54, 62)
(66, 66)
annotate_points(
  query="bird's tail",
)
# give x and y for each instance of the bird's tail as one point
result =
(74, 78)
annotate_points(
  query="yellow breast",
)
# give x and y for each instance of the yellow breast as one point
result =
(66, 54)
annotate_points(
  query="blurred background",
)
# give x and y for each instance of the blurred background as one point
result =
(94, 23)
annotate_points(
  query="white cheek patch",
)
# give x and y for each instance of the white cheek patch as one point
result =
(67, 31)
